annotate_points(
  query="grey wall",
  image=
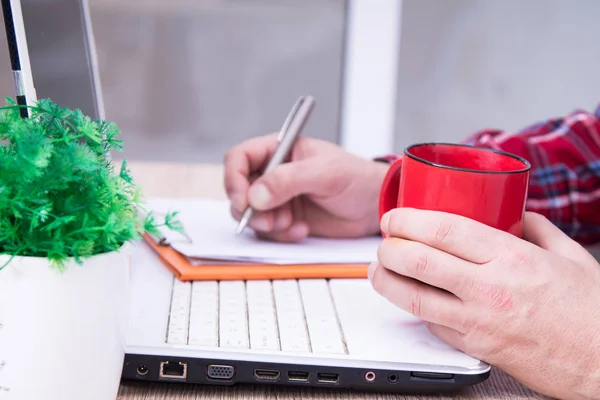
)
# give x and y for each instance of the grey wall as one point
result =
(473, 64)
(187, 82)
(187, 79)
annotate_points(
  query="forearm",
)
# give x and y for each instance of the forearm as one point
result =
(565, 175)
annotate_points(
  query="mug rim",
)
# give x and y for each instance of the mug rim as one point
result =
(526, 168)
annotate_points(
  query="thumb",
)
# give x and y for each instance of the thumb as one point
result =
(538, 230)
(287, 181)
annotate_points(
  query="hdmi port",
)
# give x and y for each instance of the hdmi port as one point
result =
(266, 374)
(327, 378)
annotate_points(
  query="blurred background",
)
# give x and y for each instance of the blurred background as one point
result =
(187, 79)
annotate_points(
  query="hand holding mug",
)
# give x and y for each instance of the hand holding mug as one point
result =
(527, 306)
(502, 285)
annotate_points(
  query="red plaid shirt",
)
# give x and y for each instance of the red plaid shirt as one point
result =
(565, 169)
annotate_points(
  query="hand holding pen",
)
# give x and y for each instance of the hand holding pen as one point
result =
(291, 129)
(318, 190)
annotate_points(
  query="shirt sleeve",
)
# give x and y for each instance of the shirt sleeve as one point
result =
(565, 169)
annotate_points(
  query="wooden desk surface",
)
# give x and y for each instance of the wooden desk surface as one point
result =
(183, 180)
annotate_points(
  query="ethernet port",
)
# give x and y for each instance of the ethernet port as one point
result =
(173, 370)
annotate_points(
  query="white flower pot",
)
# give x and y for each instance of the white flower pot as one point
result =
(62, 334)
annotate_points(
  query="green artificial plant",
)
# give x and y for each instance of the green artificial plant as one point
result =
(60, 194)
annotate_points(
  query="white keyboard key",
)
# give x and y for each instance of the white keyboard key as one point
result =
(180, 313)
(204, 314)
(290, 316)
(233, 321)
(286, 315)
(321, 317)
(261, 316)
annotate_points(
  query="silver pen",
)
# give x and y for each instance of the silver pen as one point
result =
(291, 129)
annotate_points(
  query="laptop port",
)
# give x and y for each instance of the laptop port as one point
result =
(220, 371)
(298, 376)
(327, 377)
(173, 370)
(393, 378)
(370, 376)
(266, 374)
(432, 376)
(142, 369)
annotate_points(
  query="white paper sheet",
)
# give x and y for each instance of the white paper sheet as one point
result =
(210, 226)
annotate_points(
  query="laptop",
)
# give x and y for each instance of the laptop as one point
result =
(311, 332)
(335, 333)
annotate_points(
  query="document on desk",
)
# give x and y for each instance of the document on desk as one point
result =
(211, 235)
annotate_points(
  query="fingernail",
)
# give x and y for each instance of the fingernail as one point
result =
(259, 223)
(237, 201)
(385, 221)
(259, 196)
(282, 221)
(298, 231)
(371, 271)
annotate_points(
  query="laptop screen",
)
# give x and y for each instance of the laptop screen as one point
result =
(61, 56)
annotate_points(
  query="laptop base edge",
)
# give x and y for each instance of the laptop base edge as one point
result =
(227, 372)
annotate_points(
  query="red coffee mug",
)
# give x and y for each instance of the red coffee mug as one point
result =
(489, 186)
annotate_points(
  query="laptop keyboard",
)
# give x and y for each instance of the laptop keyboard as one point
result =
(282, 315)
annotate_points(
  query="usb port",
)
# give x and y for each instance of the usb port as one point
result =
(298, 376)
(266, 374)
(327, 377)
